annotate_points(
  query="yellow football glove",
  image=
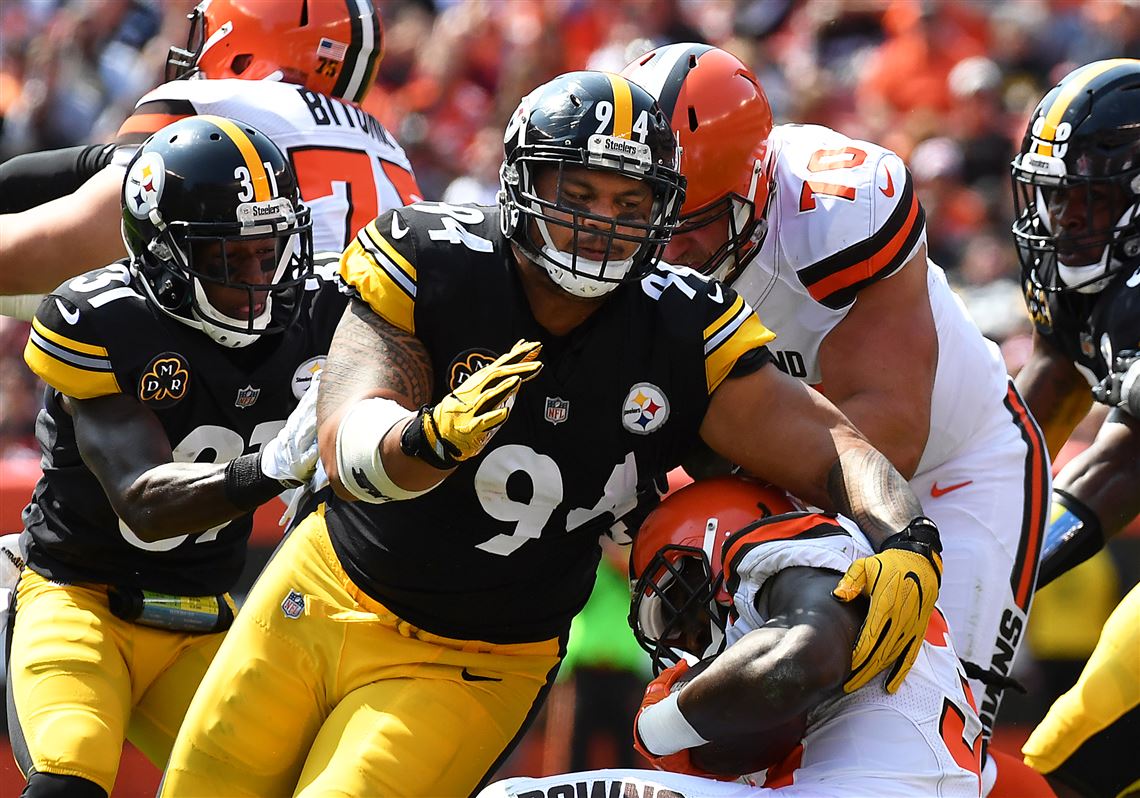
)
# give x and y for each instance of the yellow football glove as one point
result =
(464, 420)
(902, 582)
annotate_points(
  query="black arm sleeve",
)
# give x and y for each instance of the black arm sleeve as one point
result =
(37, 177)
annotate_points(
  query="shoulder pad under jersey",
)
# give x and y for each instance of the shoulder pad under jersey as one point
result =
(846, 211)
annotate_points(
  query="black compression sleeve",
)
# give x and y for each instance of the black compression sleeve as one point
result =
(37, 177)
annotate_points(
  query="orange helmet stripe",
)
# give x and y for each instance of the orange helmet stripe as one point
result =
(1073, 88)
(623, 106)
(248, 151)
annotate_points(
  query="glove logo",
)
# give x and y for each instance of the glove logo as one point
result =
(246, 397)
(165, 380)
(645, 409)
(303, 376)
(467, 363)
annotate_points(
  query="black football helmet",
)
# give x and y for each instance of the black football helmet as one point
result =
(1076, 181)
(600, 121)
(197, 185)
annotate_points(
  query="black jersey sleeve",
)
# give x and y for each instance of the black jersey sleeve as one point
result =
(66, 347)
(34, 178)
(379, 267)
(734, 338)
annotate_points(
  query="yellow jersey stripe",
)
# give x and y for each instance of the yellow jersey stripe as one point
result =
(75, 381)
(371, 276)
(253, 163)
(68, 343)
(1073, 88)
(725, 319)
(623, 106)
(399, 260)
(739, 335)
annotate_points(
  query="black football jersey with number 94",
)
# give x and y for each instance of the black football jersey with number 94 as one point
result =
(505, 548)
(96, 335)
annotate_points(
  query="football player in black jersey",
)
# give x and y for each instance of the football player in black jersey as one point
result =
(173, 378)
(1077, 187)
(502, 383)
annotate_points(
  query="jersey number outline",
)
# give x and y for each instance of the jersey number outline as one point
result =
(225, 445)
(619, 496)
(348, 174)
(826, 161)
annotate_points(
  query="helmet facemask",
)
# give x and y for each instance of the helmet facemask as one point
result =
(187, 261)
(742, 228)
(680, 609)
(529, 217)
(1073, 232)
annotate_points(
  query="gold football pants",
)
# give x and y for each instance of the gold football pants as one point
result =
(1088, 739)
(82, 680)
(319, 690)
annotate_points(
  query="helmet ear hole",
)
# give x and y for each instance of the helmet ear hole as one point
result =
(240, 63)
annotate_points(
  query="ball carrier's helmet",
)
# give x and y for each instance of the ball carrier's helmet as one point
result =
(675, 569)
(199, 184)
(603, 122)
(330, 46)
(1076, 180)
(723, 120)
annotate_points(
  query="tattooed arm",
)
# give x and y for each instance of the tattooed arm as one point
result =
(371, 358)
(780, 430)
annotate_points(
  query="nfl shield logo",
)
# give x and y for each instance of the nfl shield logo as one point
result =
(293, 605)
(557, 410)
(246, 397)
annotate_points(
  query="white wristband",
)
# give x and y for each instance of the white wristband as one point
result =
(664, 730)
(358, 459)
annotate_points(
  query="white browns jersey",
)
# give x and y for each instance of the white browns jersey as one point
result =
(349, 167)
(923, 740)
(844, 215)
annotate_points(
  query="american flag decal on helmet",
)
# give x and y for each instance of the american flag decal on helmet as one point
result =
(332, 50)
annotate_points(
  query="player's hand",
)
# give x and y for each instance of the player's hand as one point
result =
(655, 691)
(902, 582)
(464, 420)
(291, 457)
(1121, 388)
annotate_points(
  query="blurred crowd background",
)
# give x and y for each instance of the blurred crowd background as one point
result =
(948, 84)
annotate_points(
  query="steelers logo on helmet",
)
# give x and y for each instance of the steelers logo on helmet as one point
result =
(589, 234)
(645, 410)
(216, 230)
(144, 184)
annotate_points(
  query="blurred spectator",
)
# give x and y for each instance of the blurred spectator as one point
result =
(981, 125)
(954, 211)
(904, 88)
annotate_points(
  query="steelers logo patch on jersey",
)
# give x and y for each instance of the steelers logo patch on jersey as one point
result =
(165, 380)
(467, 363)
(143, 187)
(303, 376)
(645, 409)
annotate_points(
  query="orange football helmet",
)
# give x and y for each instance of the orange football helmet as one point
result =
(722, 119)
(679, 597)
(329, 46)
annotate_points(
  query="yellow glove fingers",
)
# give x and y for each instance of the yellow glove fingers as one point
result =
(903, 665)
(853, 583)
(491, 398)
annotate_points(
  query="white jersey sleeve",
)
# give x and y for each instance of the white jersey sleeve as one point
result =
(923, 740)
(349, 167)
